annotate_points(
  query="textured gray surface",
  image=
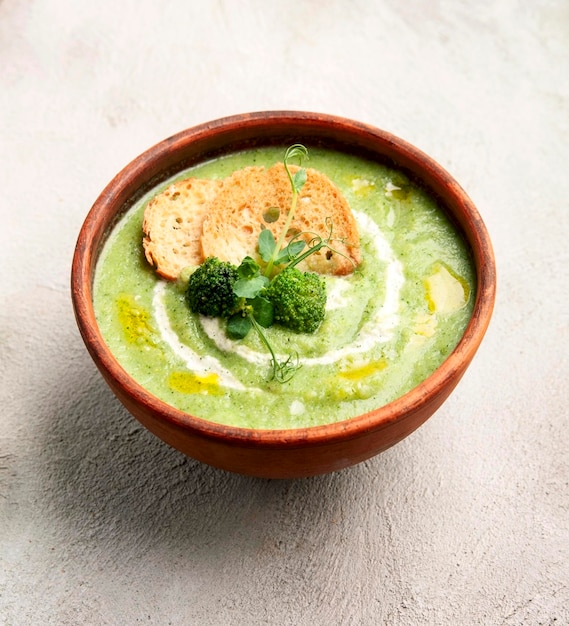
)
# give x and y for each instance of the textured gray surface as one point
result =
(466, 521)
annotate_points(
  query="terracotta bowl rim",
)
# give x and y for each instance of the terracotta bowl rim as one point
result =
(107, 206)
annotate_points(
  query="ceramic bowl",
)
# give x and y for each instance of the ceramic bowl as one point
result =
(296, 452)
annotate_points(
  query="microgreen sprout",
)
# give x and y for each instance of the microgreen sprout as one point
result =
(256, 312)
(271, 250)
(282, 371)
(257, 297)
(297, 181)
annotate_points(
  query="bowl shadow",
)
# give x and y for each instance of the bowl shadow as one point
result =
(117, 484)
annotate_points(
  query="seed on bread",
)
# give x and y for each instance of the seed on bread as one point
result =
(172, 225)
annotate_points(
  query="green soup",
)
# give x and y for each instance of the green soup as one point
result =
(388, 326)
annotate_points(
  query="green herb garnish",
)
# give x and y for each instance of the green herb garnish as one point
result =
(252, 297)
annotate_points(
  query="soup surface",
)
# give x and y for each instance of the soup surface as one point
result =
(388, 325)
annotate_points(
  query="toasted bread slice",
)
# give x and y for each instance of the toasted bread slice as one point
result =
(236, 215)
(172, 225)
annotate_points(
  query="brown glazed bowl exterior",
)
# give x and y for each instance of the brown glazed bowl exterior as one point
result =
(303, 451)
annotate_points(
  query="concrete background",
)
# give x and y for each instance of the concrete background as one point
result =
(465, 522)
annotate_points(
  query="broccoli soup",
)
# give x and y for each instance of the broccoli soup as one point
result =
(387, 325)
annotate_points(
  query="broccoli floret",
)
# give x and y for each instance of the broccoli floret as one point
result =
(210, 288)
(298, 298)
